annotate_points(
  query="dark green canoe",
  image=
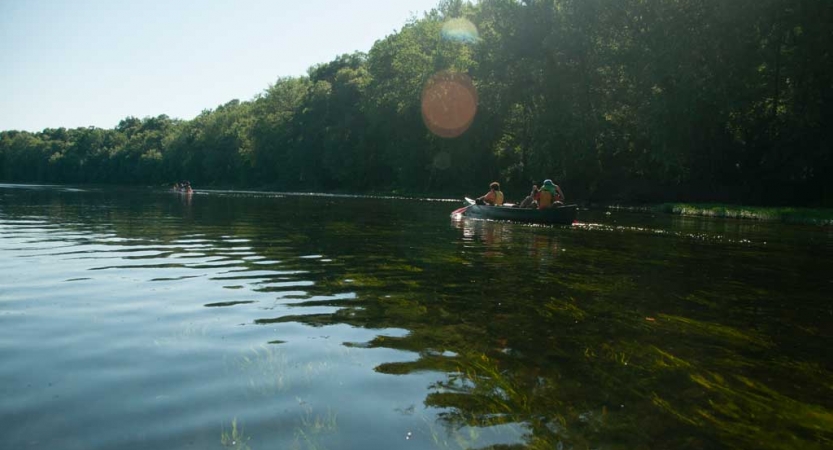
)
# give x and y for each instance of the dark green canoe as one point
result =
(560, 215)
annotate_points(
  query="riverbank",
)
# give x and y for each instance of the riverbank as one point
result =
(798, 215)
(808, 216)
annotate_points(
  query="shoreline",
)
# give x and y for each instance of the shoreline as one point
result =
(784, 214)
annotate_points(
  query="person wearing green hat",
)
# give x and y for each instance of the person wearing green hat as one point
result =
(550, 195)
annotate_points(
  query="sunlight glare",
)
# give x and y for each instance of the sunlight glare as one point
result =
(449, 103)
(460, 30)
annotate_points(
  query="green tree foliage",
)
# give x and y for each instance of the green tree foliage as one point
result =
(271, 134)
(618, 100)
(331, 127)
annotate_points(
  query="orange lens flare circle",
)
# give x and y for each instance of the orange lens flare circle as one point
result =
(449, 104)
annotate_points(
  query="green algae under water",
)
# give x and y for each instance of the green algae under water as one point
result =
(798, 215)
(228, 320)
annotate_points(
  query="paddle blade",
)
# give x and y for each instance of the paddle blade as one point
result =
(459, 211)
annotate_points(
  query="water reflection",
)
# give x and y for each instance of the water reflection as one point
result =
(277, 322)
(541, 243)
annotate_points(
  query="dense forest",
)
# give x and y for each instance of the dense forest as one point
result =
(616, 100)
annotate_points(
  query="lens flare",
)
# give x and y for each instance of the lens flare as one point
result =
(449, 103)
(460, 30)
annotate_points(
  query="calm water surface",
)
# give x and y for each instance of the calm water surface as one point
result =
(138, 319)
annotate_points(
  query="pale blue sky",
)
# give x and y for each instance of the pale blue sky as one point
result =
(74, 63)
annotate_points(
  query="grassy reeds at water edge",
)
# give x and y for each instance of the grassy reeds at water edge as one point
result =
(809, 216)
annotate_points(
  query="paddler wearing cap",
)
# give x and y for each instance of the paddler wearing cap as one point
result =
(550, 194)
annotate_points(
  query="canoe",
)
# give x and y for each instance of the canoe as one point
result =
(556, 215)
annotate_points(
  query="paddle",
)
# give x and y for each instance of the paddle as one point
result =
(463, 209)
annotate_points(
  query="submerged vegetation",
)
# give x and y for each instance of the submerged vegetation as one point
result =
(810, 216)
(487, 335)
(234, 439)
(600, 360)
(618, 100)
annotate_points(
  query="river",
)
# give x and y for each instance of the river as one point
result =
(135, 319)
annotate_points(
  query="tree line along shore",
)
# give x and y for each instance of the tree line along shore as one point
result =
(618, 101)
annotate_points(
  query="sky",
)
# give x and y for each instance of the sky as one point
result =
(79, 63)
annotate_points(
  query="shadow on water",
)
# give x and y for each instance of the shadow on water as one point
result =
(623, 331)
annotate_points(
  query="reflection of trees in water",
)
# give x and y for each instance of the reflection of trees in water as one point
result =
(520, 325)
(577, 353)
(504, 348)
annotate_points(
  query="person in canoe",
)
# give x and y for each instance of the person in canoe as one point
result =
(492, 198)
(531, 200)
(550, 195)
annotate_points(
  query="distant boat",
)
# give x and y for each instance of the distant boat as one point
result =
(555, 215)
(182, 189)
